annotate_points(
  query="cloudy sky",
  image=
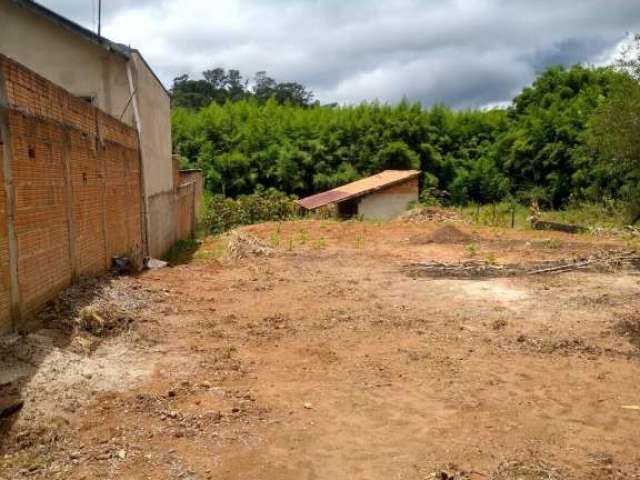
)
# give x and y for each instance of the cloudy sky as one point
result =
(467, 53)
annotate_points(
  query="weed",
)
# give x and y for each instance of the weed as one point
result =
(182, 251)
(490, 258)
(552, 243)
(275, 239)
(211, 250)
(604, 215)
(303, 237)
(376, 222)
(228, 351)
(471, 249)
(320, 244)
(499, 324)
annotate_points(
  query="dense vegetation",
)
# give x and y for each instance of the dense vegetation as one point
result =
(224, 213)
(556, 142)
(219, 85)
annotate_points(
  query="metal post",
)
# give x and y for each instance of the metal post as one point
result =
(99, 18)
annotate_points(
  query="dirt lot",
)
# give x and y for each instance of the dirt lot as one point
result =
(330, 358)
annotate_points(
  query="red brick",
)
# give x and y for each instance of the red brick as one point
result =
(104, 187)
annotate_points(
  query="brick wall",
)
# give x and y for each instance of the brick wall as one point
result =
(4, 252)
(75, 189)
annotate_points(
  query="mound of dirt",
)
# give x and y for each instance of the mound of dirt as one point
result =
(242, 245)
(430, 214)
(629, 327)
(102, 306)
(445, 234)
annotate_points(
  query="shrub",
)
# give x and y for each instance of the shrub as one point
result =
(224, 213)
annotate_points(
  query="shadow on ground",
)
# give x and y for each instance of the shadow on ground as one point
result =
(68, 328)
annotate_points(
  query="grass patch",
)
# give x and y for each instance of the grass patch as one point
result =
(471, 249)
(303, 237)
(213, 249)
(182, 251)
(552, 243)
(606, 215)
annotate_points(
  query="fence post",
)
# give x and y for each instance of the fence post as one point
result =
(102, 164)
(5, 152)
(194, 220)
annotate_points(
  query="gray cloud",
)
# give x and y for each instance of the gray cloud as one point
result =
(467, 53)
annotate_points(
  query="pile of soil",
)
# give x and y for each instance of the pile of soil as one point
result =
(445, 234)
(102, 306)
(629, 328)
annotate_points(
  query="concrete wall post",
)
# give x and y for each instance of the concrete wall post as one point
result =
(102, 163)
(5, 152)
(143, 181)
(68, 197)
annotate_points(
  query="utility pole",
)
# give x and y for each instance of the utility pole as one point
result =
(99, 17)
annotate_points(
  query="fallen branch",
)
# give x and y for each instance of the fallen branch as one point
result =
(560, 227)
(484, 269)
(587, 263)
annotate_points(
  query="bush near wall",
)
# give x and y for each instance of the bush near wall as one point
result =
(222, 213)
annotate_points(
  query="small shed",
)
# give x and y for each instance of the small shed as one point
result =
(382, 196)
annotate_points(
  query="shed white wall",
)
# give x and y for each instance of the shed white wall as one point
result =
(389, 202)
(155, 133)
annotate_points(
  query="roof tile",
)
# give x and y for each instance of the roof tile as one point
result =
(357, 188)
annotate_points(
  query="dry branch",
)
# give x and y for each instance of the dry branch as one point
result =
(470, 269)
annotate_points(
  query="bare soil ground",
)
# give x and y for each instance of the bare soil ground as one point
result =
(318, 356)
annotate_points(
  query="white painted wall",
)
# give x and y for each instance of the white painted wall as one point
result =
(155, 119)
(64, 57)
(85, 68)
(384, 206)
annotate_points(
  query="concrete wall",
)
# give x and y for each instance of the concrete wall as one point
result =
(71, 192)
(390, 202)
(85, 68)
(161, 223)
(155, 128)
(65, 58)
(172, 218)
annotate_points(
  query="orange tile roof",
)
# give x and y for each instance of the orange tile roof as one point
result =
(358, 188)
